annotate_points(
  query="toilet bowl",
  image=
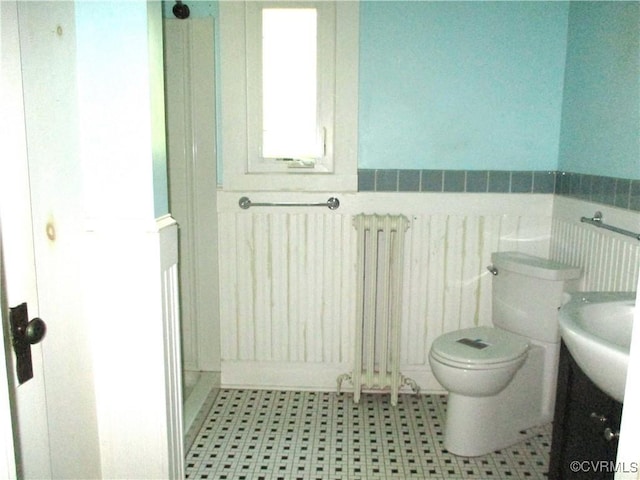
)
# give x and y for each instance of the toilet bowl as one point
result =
(477, 361)
(501, 379)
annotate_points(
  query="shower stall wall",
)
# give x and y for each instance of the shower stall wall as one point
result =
(190, 118)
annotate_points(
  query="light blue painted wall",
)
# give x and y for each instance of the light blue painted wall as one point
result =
(158, 128)
(601, 108)
(461, 85)
(123, 118)
(478, 85)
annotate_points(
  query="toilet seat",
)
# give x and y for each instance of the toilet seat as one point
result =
(481, 348)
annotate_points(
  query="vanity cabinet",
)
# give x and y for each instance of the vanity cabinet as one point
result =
(584, 440)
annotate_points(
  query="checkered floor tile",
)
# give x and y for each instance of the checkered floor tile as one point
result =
(264, 434)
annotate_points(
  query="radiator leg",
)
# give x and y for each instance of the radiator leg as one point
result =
(412, 383)
(394, 397)
(342, 378)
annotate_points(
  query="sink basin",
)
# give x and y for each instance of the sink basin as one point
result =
(596, 327)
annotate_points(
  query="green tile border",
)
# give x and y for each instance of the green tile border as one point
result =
(617, 192)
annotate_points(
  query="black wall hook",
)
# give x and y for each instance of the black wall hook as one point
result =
(180, 10)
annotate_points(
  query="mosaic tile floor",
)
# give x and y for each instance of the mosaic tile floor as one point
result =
(262, 434)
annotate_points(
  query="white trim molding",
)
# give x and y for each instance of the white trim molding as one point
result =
(238, 95)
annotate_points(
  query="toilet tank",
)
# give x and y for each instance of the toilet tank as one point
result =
(527, 293)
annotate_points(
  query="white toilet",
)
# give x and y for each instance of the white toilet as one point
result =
(502, 379)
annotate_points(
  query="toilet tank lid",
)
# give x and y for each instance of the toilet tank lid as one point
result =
(533, 266)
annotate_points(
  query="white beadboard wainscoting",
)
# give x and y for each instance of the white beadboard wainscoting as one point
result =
(288, 278)
(132, 288)
(169, 284)
(609, 260)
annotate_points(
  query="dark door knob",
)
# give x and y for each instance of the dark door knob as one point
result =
(35, 331)
(25, 333)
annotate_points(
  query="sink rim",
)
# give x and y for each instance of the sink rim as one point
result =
(596, 301)
(588, 349)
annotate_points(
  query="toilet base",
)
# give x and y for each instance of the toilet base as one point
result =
(479, 425)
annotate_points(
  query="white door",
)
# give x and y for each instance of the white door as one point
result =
(29, 413)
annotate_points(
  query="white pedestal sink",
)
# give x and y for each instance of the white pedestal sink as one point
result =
(596, 327)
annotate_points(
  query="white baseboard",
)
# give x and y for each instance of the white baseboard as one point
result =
(197, 405)
(207, 381)
(308, 377)
(281, 375)
(423, 377)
